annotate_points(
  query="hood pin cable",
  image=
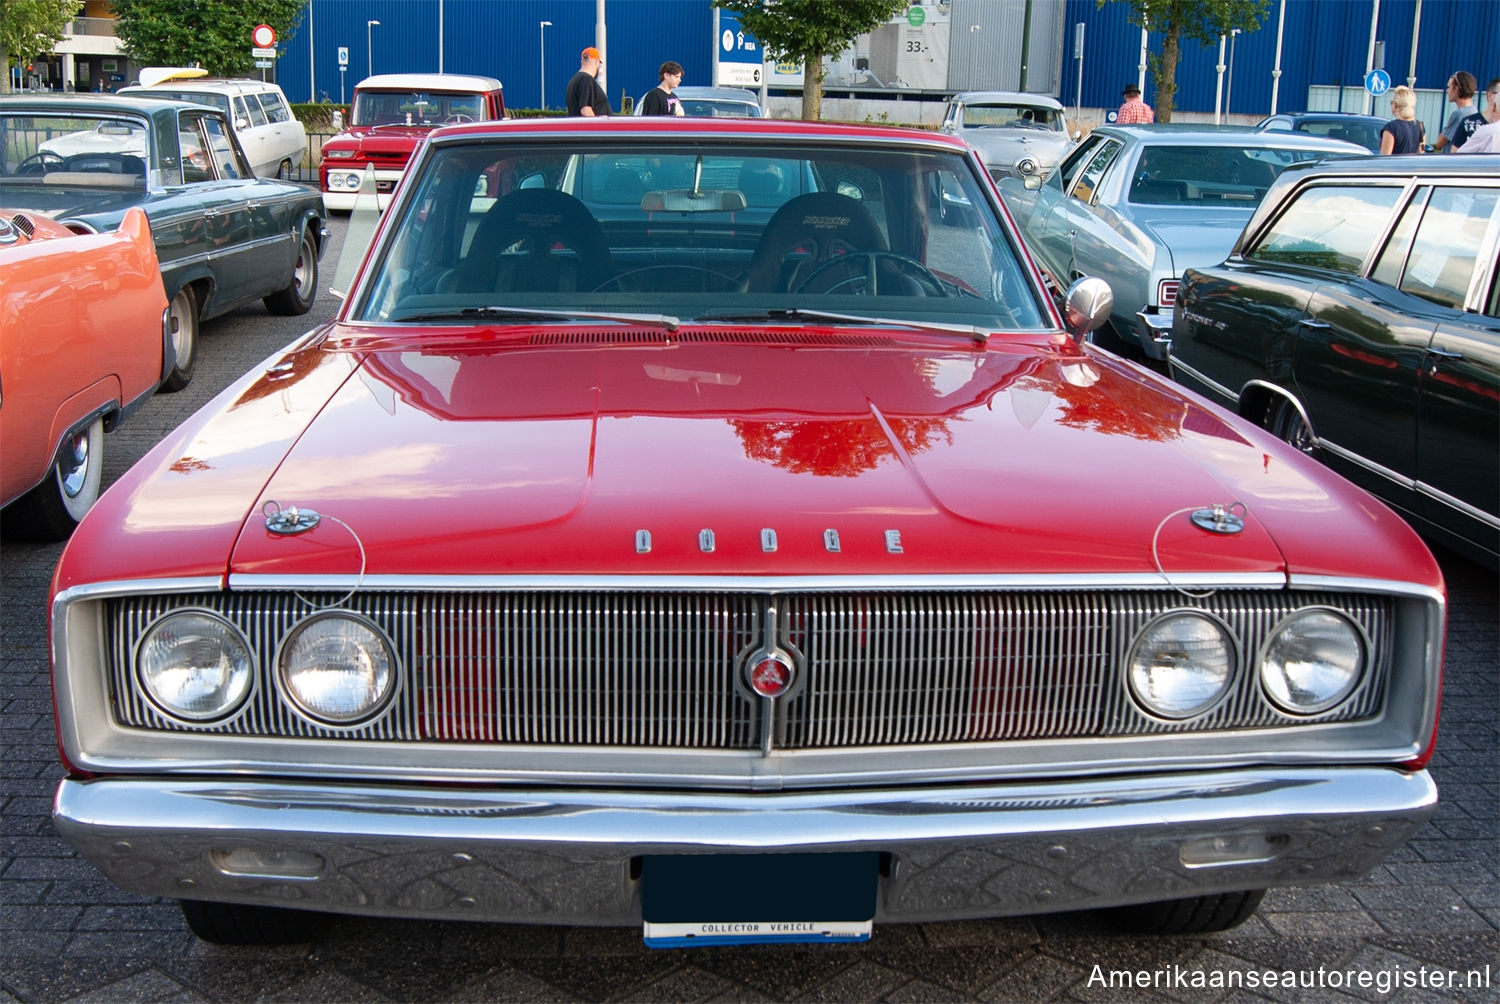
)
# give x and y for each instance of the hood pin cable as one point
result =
(1217, 517)
(291, 521)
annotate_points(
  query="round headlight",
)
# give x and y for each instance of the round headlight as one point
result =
(1313, 661)
(337, 668)
(194, 664)
(1181, 664)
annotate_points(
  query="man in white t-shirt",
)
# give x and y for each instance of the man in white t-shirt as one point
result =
(1486, 139)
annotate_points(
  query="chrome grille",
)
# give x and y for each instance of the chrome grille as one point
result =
(664, 669)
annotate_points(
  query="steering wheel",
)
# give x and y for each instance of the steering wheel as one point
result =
(868, 275)
(40, 163)
(721, 281)
(457, 118)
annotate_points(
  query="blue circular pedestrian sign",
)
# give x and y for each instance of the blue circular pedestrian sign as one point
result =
(1377, 82)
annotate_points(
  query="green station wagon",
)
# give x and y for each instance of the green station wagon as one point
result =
(224, 237)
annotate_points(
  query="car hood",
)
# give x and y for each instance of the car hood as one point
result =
(1002, 147)
(543, 460)
(376, 138)
(102, 208)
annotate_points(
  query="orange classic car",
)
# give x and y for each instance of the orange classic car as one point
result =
(82, 345)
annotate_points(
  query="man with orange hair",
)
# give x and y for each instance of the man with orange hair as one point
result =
(585, 96)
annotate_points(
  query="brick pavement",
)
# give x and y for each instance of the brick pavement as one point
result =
(68, 935)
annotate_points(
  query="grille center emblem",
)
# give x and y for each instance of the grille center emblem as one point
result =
(771, 675)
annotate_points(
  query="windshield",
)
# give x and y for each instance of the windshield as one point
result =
(425, 108)
(720, 108)
(78, 149)
(1175, 175)
(1012, 116)
(723, 231)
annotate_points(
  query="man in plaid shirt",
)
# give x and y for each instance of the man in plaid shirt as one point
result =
(1134, 111)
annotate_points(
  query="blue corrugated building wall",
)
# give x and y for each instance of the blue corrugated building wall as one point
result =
(497, 38)
(1324, 43)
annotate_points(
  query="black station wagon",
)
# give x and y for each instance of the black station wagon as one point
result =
(1358, 317)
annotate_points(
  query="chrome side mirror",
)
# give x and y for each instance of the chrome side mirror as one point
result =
(1086, 306)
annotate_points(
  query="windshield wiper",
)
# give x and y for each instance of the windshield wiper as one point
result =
(970, 331)
(665, 321)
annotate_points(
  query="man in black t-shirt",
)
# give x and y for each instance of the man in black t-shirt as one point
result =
(1465, 129)
(660, 100)
(585, 96)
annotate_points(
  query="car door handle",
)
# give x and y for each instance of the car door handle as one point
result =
(1308, 322)
(1445, 353)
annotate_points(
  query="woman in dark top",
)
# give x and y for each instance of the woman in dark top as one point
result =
(1402, 134)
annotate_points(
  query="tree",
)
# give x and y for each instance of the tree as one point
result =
(214, 34)
(1200, 20)
(28, 28)
(808, 30)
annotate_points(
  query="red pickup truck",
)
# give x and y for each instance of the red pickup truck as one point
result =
(391, 115)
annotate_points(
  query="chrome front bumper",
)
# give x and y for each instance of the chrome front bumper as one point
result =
(570, 856)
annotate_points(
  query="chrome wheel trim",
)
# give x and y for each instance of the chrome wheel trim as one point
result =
(184, 318)
(73, 465)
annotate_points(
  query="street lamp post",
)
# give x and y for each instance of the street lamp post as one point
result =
(370, 47)
(543, 29)
(1234, 33)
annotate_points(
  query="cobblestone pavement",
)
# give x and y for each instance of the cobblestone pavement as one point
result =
(68, 935)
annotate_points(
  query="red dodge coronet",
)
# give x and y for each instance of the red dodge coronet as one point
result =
(713, 526)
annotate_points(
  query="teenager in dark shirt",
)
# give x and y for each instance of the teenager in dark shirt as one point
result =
(585, 96)
(660, 100)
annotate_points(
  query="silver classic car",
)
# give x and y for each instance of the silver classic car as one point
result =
(1136, 205)
(1008, 127)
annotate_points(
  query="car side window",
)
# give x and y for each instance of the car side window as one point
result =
(1074, 162)
(196, 166)
(257, 113)
(1444, 234)
(1328, 226)
(275, 108)
(1088, 179)
(223, 162)
(1281, 124)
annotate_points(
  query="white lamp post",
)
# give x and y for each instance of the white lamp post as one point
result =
(370, 27)
(543, 29)
(1234, 33)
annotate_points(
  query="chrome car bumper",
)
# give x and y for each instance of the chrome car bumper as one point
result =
(570, 856)
(1154, 331)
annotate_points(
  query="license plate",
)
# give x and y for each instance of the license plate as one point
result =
(750, 899)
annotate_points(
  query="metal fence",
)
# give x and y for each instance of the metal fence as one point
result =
(307, 170)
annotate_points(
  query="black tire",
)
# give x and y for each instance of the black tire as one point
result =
(1286, 423)
(242, 924)
(53, 508)
(184, 320)
(1197, 915)
(300, 293)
